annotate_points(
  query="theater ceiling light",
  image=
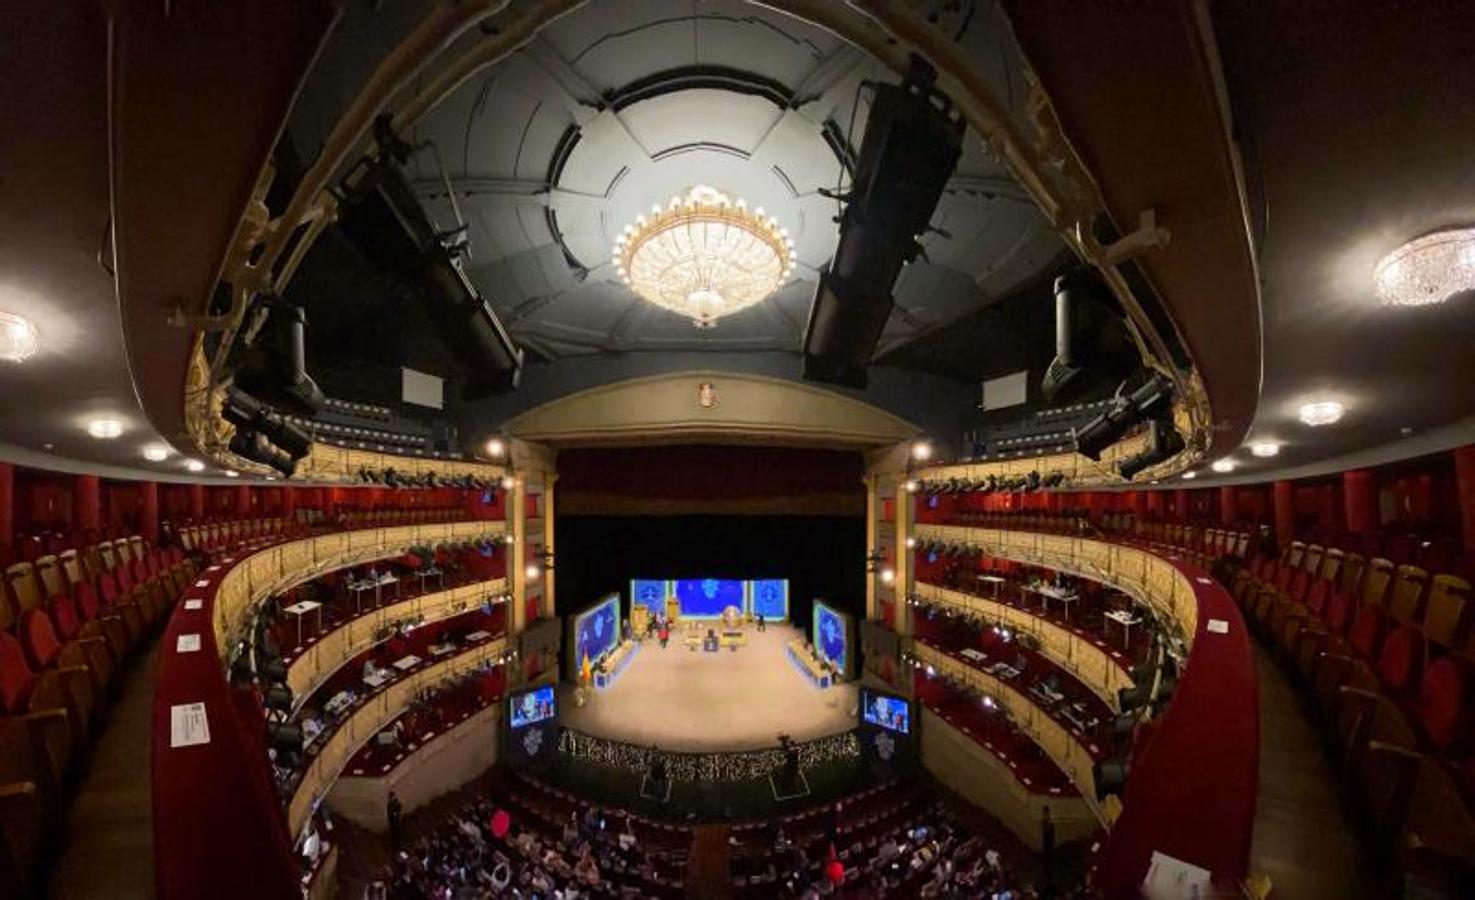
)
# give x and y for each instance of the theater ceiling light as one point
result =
(18, 338)
(1428, 269)
(105, 429)
(1223, 465)
(1189, 476)
(1264, 449)
(194, 465)
(1324, 412)
(704, 255)
(156, 452)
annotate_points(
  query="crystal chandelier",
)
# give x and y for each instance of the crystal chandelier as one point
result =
(18, 340)
(1429, 269)
(704, 255)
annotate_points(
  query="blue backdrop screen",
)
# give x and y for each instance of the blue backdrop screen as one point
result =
(597, 630)
(886, 711)
(829, 634)
(649, 593)
(533, 706)
(770, 598)
(706, 598)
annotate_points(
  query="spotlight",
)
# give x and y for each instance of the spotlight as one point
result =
(1163, 444)
(1152, 400)
(284, 737)
(254, 446)
(1110, 777)
(277, 697)
(275, 368)
(263, 435)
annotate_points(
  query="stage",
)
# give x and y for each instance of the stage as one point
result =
(729, 700)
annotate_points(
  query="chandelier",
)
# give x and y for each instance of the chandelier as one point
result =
(704, 255)
(1430, 269)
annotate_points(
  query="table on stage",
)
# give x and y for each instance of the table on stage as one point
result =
(817, 672)
(614, 663)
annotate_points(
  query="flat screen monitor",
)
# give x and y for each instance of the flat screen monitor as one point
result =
(650, 593)
(706, 598)
(769, 598)
(832, 635)
(597, 631)
(530, 707)
(886, 711)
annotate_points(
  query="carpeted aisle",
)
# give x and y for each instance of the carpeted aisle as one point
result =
(710, 862)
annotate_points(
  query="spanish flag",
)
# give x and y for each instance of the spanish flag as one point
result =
(587, 670)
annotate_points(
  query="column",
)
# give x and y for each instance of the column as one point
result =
(1359, 492)
(1465, 486)
(901, 584)
(873, 509)
(7, 504)
(548, 608)
(86, 502)
(289, 503)
(197, 501)
(1181, 509)
(1285, 512)
(242, 500)
(517, 560)
(1228, 504)
(148, 511)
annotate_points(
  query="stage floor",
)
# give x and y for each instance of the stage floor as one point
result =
(729, 700)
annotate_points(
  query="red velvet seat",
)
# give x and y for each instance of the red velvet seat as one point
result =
(1446, 707)
(47, 650)
(56, 704)
(1401, 661)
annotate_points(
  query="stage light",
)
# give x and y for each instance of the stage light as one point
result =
(1164, 442)
(1093, 349)
(1264, 449)
(275, 368)
(18, 338)
(1223, 465)
(1323, 412)
(921, 450)
(156, 452)
(1150, 401)
(496, 447)
(104, 429)
(888, 575)
(194, 465)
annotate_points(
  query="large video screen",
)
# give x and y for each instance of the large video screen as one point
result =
(597, 630)
(769, 598)
(537, 705)
(706, 598)
(649, 593)
(885, 711)
(830, 635)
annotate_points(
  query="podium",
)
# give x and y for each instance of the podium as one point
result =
(639, 620)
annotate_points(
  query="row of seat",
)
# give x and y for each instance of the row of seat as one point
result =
(1385, 654)
(69, 624)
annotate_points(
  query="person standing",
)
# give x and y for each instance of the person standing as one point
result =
(665, 634)
(762, 625)
(395, 811)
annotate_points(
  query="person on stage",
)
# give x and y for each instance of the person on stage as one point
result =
(665, 633)
(762, 625)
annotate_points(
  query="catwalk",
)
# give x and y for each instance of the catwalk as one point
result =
(729, 700)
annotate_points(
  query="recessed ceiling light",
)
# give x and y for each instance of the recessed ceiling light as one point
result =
(18, 338)
(194, 465)
(1189, 476)
(1264, 449)
(1223, 465)
(1322, 412)
(1428, 269)
(156, 452)
(232, 473)
(105, 429)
